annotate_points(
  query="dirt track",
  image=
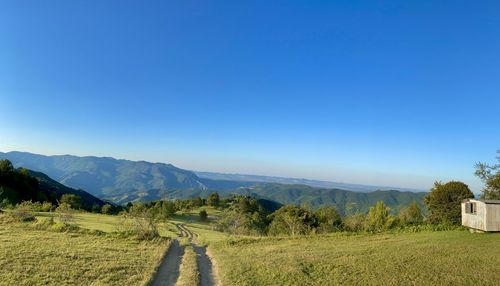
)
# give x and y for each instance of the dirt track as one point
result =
(168, 273)
(169, 268)
(204, 263)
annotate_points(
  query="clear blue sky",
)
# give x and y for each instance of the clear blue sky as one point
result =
(398, 93)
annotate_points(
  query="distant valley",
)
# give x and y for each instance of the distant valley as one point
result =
(123, 181)
(297, 181)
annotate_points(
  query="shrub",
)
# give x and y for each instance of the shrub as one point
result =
(412, 215)
(355, 222)
(107, 209)
(24, 211)
(213, 200)
(203, 215)
(65, 213)
(329, 219)
(74, 201)
(143, 222)
(444, 201)
(5, 204)
(46, 207)
(378, 218)
(243, 216)
(292, 220)
(96, 208)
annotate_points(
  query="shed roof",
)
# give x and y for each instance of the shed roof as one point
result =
(494, 202)
(489, 202)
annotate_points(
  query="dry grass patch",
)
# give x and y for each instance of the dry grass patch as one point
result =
(41, 257)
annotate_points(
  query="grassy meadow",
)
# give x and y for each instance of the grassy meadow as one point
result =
(51, 257)
(48, 257)
(424, 258)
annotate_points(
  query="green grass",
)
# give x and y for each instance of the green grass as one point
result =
(105, 223)
(33, 257)
(203, 229)
(41, 257)
(425, 258)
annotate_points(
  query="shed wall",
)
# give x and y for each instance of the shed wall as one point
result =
(492, 217)
(476, 221)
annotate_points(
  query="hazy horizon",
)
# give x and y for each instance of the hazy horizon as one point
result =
(230, 172)
(386, 93)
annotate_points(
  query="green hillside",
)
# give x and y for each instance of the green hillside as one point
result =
(109, 177)
(347, 202)
(123, 181)
(26, 185)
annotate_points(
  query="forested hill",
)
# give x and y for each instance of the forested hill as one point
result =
(347, 202)
(22, 184)
(123, 181)
(109, 177)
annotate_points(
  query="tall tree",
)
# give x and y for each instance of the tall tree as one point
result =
(292, 220)
(213, 199)
(490, 175)
(378, 218)
(6, 166)
(328, 219)
(74, 201)
(412, 215)
(444, 201)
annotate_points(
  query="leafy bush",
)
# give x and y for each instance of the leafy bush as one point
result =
(203, 215)
(46, 207)
(107, 209)
(142, 222)
(65, 213)
(355, 222)
(378, 218)
(213, 200)
(96, 208)
(292, 220)
(329, 219)
(444, 202)
(24, 211)
(243, 216)
(412, 215)
(74, 201)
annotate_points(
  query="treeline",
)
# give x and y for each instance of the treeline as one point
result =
(19, 185)
(246, 217)
(243, 215)
(16, 185)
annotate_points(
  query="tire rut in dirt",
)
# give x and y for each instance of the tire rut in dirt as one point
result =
(205, 266)
(168, 273)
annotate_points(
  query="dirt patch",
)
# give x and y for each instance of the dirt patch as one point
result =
(203, 260)
(215, 272)
(204, 266)
(168, 272)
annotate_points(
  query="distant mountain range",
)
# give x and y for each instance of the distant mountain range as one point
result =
(297, 181)
(49, 185)
(122, 181)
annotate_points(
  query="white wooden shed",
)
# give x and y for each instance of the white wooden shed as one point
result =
(481, 215)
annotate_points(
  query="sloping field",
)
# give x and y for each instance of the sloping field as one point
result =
(40, 257)
(425, 258)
